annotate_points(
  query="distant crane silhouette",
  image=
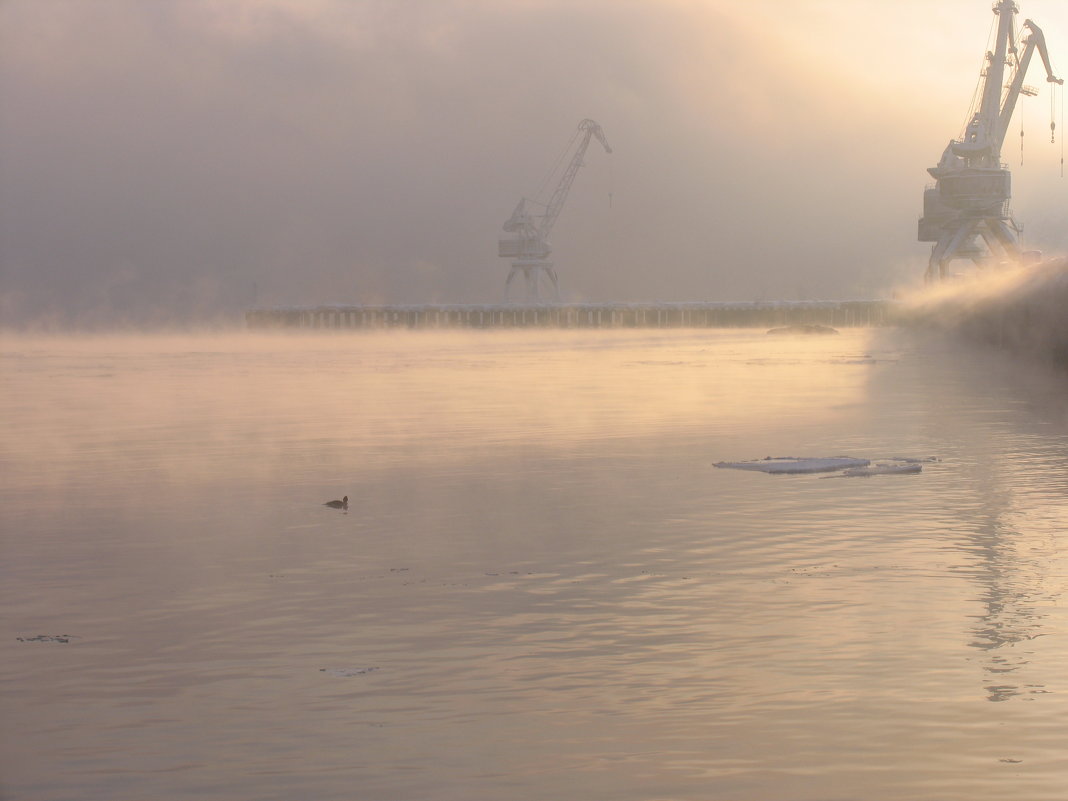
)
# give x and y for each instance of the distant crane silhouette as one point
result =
(529, 247)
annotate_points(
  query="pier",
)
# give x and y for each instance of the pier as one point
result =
(585, 315)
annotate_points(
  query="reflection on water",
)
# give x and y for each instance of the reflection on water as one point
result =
(1019, 507)
(542, 586)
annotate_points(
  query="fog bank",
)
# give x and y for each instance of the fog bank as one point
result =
(174, 162)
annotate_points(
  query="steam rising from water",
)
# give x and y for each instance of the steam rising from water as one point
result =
(1021, 310)
(385, 398)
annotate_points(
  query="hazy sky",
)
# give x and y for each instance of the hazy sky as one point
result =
(168, 159)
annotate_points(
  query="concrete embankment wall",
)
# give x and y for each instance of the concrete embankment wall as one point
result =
(681, 315)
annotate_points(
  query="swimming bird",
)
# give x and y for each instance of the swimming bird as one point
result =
(342, 504)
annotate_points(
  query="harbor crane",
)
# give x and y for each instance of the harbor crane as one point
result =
(966, 213)
(528, 246)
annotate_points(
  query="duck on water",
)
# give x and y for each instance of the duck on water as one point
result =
(342, 504)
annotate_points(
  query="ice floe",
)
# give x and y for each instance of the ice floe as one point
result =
(803, 329)
(884, 469)
(843, 465)
(797, 464)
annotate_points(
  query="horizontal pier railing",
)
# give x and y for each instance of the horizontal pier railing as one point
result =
(601, 315)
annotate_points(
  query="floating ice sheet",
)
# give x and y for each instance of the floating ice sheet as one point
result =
(883, 469)
(798, 464)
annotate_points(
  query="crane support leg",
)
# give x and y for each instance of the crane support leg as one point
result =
(531, 276)
(947, 247)
(1007, 237)
(998, 251)
(549, 271)
(508, 283)
(532, 273)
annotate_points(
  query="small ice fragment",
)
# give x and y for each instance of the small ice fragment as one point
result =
(883, 470)
(803, 329)
(63, 638)
(797, 464)
(347, 672)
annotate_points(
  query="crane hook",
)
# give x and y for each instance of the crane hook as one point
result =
(1053, 114)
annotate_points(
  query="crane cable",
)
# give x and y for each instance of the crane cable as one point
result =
(554, 169)
(977, 94)
(1053, 114)
(1022, 107)
(1056, 88)
(1016, 69)
(611, 180)
(1052, 123)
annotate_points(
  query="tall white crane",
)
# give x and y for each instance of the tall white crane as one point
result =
(528, 246)
(966, 213)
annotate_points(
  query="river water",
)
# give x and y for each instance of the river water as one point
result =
(542, 587)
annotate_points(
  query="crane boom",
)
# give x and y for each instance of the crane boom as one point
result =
(979, 142)
(589, 129)
(1035, 41)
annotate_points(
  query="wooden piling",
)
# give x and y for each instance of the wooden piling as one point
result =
(844, 314)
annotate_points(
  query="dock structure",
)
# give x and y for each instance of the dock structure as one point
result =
(581, 315)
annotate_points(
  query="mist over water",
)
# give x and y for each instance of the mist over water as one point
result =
(1020, 310)
(542, 586)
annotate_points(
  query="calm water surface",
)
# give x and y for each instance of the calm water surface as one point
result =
(542, 588)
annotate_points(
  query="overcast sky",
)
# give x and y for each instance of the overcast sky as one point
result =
(163, 160)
